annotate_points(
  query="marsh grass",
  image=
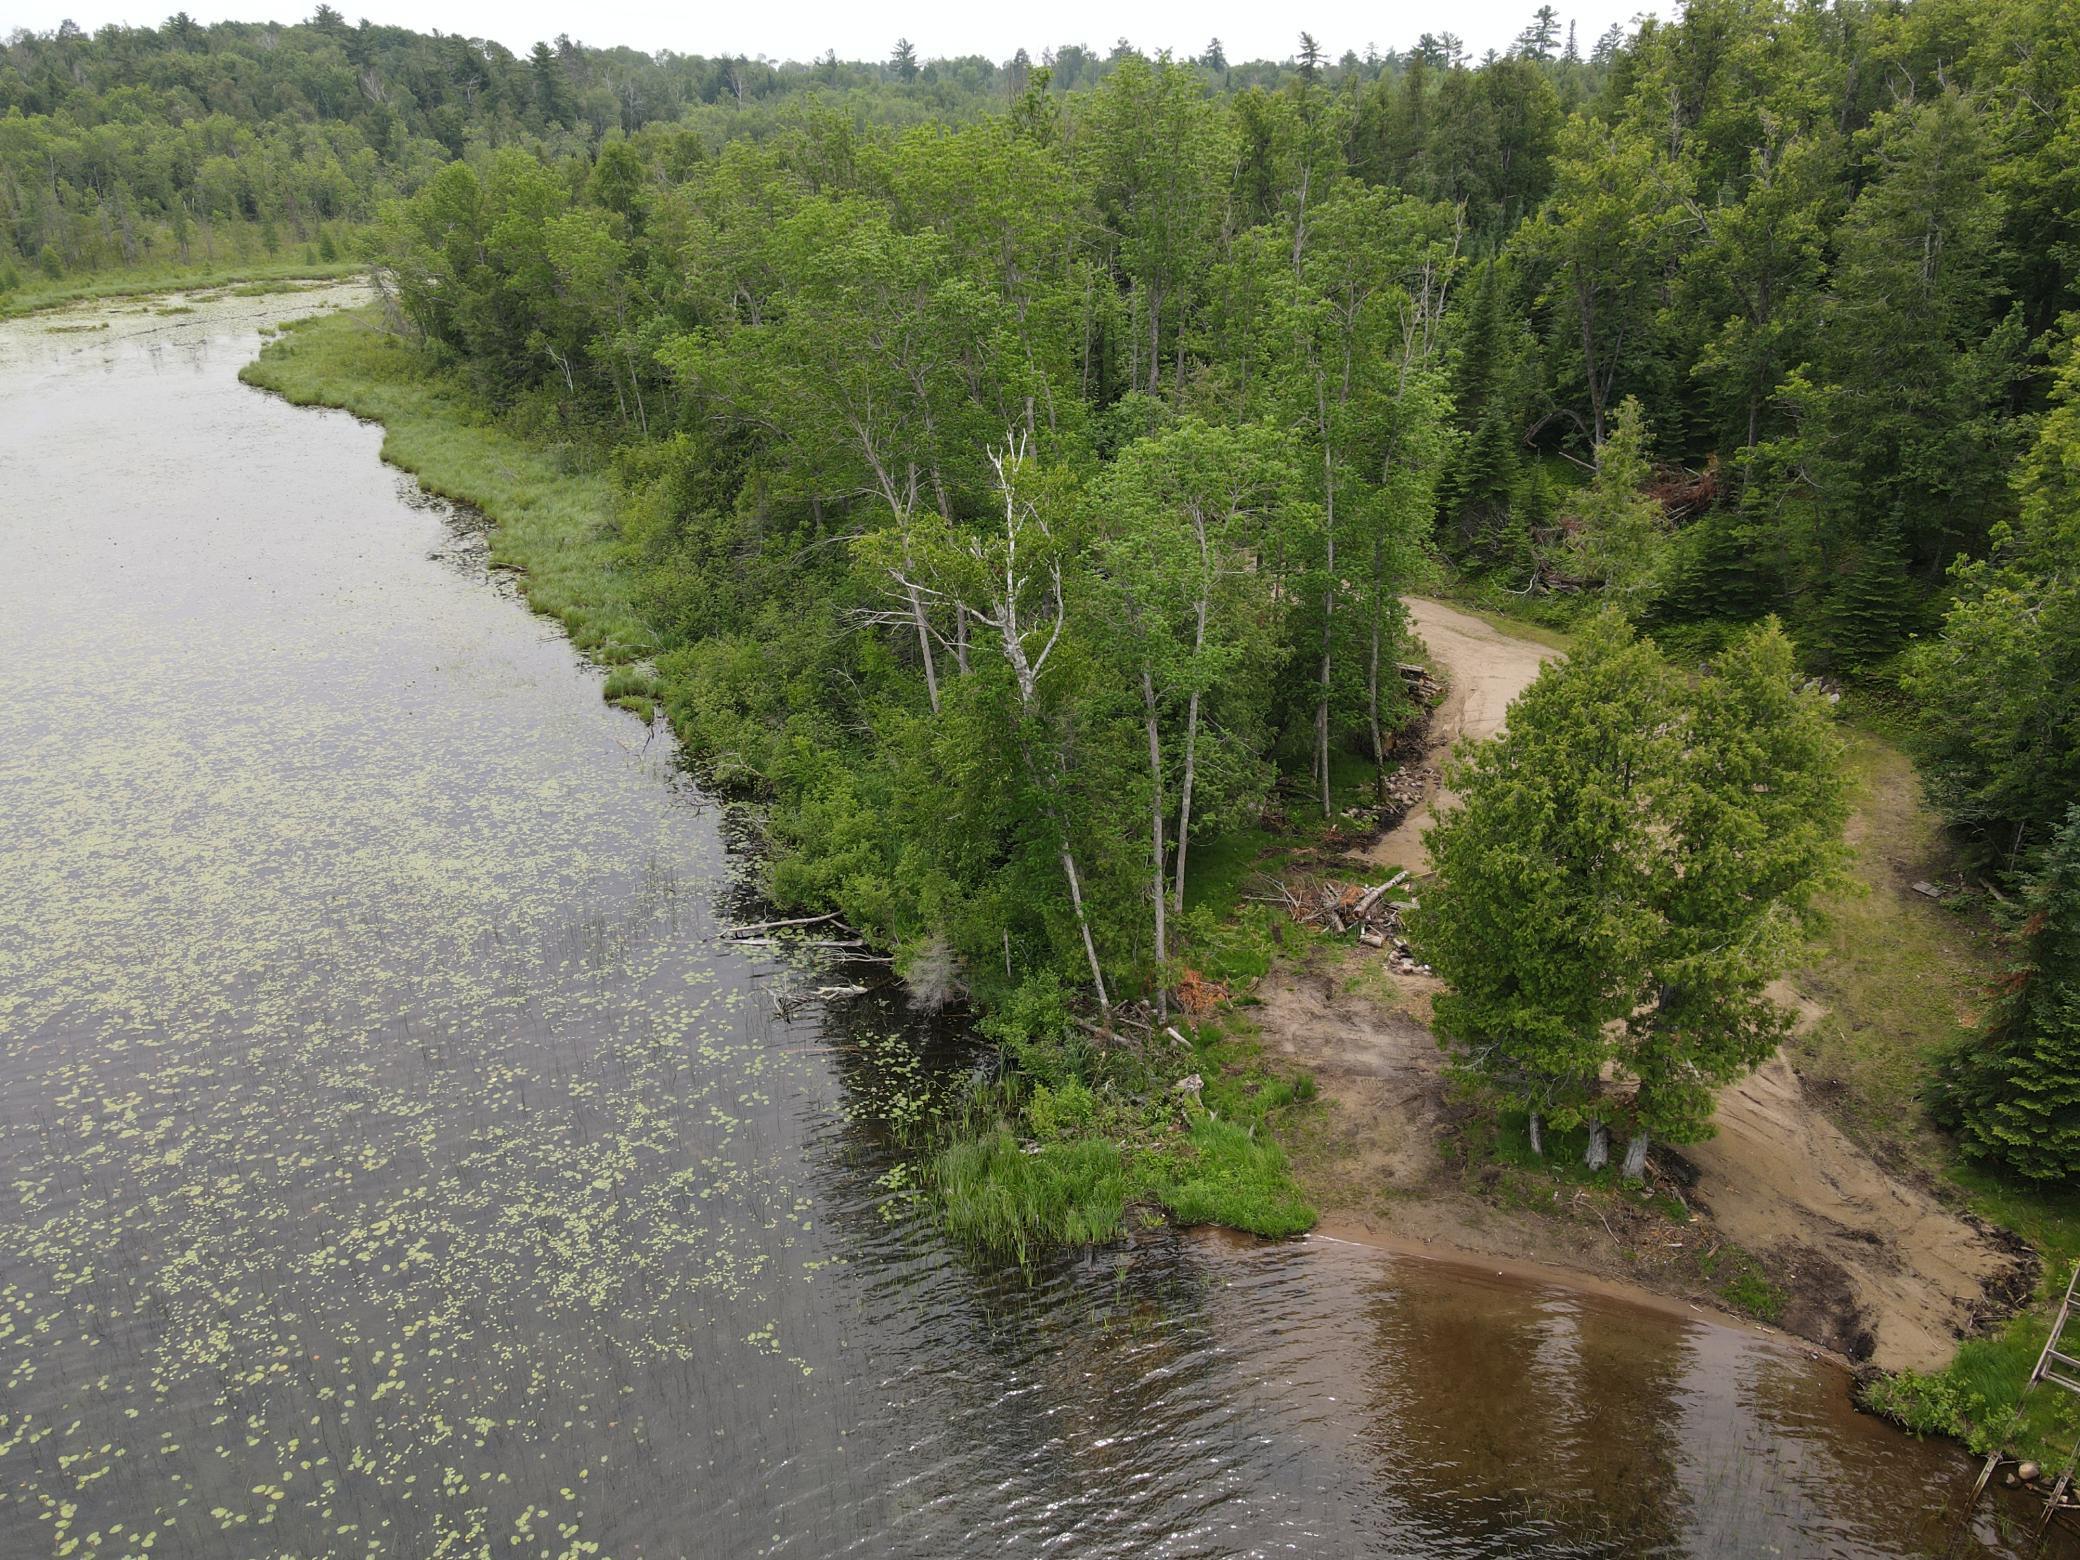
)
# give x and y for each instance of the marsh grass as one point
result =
(1233, 1174)
(1005, 1197)
(1026, 1167)
(554, 525)
(268, 272)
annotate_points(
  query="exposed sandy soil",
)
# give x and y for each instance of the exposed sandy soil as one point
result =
(1876, 1267)
(1487, 669)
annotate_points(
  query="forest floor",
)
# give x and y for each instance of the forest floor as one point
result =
(1797, 1211)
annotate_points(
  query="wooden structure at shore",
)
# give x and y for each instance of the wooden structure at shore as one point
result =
(2059, 1364)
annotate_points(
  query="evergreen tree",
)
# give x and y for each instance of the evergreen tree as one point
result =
(1630, 866)
(1620, 539)
(1539, 915)
(552, 99)
(1536, 41)
(2013, 1094)
(1310, 58)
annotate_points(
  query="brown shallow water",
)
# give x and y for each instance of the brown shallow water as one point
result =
(392, 1163)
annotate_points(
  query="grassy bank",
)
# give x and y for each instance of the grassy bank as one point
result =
(1086, 1133)
(40, 292)
(554, 511)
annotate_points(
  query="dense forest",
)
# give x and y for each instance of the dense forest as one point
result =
(1022, 464)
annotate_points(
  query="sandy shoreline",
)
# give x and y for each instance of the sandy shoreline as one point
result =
(1876, 1268)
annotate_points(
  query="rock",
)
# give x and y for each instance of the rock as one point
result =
(2028, 1472)
(1190, 1083)
(1928, 890)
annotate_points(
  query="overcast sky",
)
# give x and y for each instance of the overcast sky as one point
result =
(803, 29)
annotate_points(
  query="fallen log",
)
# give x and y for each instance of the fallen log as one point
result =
(774, 926)
(1372, 896)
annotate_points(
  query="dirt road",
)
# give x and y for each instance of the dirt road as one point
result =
(1487, 669)
(1875, 1266)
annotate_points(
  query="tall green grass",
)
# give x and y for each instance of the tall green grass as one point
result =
(999, 1196)
(1229, 1174)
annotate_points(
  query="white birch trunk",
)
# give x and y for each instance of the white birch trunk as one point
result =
(1598, 1153)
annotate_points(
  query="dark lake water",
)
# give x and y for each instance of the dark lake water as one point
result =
(393, 1163)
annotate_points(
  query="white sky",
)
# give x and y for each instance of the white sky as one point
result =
(803, 29)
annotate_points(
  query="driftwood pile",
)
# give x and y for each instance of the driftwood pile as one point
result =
(1372, 912)
(1416, 775)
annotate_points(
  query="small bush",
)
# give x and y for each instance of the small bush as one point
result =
(1064, 1111)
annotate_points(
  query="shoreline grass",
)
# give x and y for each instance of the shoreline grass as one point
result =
(553, 521)
(145, 281)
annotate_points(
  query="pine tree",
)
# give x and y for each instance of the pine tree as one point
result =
(1310, 58)
(552, 99)
(1476, 500)
(1869, 610)
(2013, 1095)
(1622, 539)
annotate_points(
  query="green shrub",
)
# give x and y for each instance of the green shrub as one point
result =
(1065, 1110)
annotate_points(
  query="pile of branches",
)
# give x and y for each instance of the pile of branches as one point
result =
(1343, 908)
(1409, 744)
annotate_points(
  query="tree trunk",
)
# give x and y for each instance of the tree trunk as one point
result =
(1635, 1166)
(1155, 338)
(1090, 948)
(1155, 839)
(1585, 307)
(1598, 1153)
(1191, 747)
(1535, 1124)
(1379, 744)
(1321, 713)
(924, 639)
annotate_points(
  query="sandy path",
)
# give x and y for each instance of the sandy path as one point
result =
(1488, 669)
(1877, 1267)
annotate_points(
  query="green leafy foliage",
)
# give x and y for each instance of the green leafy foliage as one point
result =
(1632, 865)
(1013, 476)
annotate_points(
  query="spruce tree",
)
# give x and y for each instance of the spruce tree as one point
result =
(2013, 1094)
(1622, 539)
